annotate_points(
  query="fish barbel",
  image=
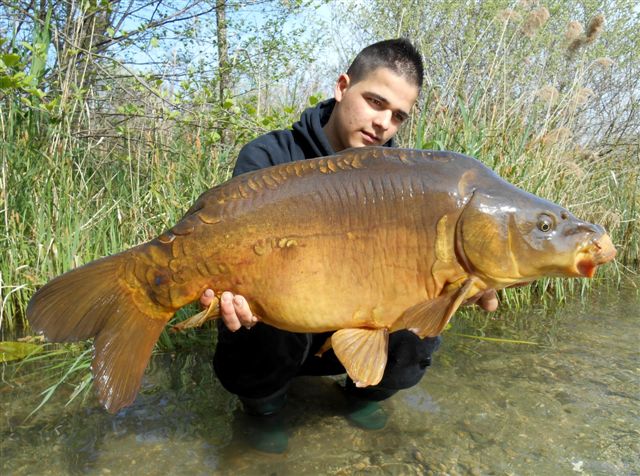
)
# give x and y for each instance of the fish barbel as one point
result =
(363, 243)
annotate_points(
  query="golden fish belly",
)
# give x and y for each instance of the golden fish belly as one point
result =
(314, 282)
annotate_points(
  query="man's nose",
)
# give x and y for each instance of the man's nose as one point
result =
(383, 119)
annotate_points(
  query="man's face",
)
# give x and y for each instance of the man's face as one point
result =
(370, 111)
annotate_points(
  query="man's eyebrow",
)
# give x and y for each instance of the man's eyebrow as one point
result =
(403, 114)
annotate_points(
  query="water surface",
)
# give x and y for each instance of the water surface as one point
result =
(569, 405)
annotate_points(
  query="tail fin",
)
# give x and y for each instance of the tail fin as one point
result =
(96, 301)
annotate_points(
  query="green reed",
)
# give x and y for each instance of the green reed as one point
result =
(67, 202)
(506, 112)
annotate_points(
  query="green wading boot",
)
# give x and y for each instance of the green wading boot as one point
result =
(267, 433)
(264, 424)
(366, 414)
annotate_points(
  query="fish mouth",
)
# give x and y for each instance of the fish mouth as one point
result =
(595, 252)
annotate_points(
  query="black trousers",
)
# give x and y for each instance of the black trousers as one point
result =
(258, 364)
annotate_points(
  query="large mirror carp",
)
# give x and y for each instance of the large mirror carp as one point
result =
(363, 243)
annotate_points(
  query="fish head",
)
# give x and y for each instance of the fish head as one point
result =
(517, 237)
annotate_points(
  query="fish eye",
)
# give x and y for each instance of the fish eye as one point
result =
(545, 223)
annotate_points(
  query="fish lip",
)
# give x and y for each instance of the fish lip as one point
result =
(593, 253)
(603, 249)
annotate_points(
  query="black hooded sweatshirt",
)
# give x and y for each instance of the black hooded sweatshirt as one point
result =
(305, 140)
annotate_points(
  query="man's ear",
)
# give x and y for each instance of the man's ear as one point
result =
(341, 86)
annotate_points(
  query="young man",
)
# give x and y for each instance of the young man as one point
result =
(257, 362)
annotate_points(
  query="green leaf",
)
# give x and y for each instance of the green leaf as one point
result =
(17, 350)
(7, 82)
(10, 59)
(28, 46)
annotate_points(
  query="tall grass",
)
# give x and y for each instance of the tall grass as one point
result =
(538, 136)
(72, 202)
(67, 202)
(96, 170)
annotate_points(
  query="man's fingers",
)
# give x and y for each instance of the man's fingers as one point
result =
(228, 312)
(243, 312)
(206, 298)
(489, 300)
(235, 312)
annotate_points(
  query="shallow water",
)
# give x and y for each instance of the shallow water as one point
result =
(569, 405)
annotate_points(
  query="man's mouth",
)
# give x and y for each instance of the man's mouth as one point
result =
(372, 138)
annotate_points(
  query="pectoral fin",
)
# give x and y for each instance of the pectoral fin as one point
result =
(429, 318)
(363, 352)
(212, 312)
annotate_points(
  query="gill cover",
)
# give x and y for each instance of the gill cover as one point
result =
(484, 239)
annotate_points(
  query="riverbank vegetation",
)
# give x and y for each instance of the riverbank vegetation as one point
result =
(114, 117)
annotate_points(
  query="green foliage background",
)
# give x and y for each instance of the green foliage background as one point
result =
(109, 129)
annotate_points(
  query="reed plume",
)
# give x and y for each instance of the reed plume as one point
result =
(535, 20)
(558, 135)
(582, 96)
(594, 30)
(548, 94)
(604, 62)
(574, 30)
(508, 15)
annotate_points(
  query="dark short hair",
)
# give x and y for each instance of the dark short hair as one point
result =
(399, 55)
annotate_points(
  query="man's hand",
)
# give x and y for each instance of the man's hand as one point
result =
(234, 310)
(487, 300)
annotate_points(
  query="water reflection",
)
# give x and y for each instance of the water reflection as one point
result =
(568, 405)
